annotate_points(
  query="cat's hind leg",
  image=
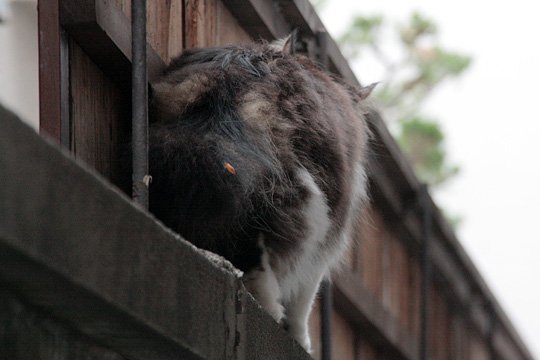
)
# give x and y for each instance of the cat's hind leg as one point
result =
(262, 283)
(297, 312)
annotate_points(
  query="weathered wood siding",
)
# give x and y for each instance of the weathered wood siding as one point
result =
(377, 308)
(100, 117)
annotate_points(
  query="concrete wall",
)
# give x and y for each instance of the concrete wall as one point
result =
(84, 273)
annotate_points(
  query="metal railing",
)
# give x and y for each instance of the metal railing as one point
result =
(139, 104)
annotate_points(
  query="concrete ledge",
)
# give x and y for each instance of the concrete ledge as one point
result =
(27, 333)
(78, 249)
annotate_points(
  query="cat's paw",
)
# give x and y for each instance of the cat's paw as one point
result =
(304, 341)
(276, 310)
(299, 333)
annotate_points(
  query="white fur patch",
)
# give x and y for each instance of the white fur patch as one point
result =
(309, 266)
(293, 282)
(359, 198)
(263, 285)
(299, 278)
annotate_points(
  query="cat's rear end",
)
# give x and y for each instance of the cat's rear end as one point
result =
(258, 155)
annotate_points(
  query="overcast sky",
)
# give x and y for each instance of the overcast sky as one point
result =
(491, 117)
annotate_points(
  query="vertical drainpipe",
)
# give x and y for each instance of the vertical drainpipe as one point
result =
(425, 205)
(139, 104)
(321, 39)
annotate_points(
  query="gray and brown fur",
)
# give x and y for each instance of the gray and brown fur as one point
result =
(288, 130)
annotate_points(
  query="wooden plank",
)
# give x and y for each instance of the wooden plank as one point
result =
(262, 19)
(100, 119)
(228, 29)
(371, 252)
(460, 339)
(50, 97)
(478, 349)
(415, 278)
(110, 271)
(103, 31)
(504, 345)
(200, 23)
(366, 350)
(343, 338)
(402, 283)
(164, 25)
(176, 29)
(363, 310)
(93, 259)
(210, 23)
(65, 95)
(315, 329)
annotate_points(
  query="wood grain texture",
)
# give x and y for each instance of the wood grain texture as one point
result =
(372, 255)
(164, 25)
(228, 29)
(209, 23)
(100, 118)
(200, 27)
(49, 68)
(414, 281)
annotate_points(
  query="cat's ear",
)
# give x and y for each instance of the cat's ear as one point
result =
(286, 45)
(289, 45)
(365, 91)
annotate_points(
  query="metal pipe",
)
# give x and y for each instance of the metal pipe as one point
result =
(425, 205)
(139, 104)
(326, 318)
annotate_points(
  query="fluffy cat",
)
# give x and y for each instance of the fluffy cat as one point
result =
(258, 155)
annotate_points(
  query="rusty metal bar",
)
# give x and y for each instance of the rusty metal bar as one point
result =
(139, 104)
(427, 218)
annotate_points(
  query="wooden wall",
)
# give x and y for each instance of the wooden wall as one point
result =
(99, 106)
(100, 117)
(381, 261)
(164, 21)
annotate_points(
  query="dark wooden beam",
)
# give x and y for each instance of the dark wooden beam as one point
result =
(365, 312)
(112, 272)
(104, 32)
(49, 68)
(260, 18)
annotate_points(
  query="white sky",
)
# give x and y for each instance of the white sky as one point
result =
(492, 123)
